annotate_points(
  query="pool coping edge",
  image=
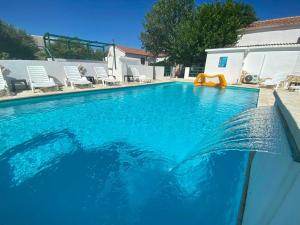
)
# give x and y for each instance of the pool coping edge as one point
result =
(78, 91)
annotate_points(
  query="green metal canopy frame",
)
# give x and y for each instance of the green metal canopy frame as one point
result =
(72, 40)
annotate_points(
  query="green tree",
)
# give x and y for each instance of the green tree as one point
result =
(16, 43)
(184, 50)
(161, 23)
(75, 50)
(210, 25)
(217, 24)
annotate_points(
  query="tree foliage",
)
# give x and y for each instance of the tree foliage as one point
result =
(16, 43)
(75, 50)
(218, 23)
(161, 24)
(210, 25)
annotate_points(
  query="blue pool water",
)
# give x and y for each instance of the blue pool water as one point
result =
(108, 157)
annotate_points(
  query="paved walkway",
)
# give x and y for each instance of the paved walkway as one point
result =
(266, 97)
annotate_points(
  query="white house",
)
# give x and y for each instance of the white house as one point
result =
(125, 56)
(266, 48)
(135, 53)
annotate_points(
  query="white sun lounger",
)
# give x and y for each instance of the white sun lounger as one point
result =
(138, 77)
(39, 78)
(3, 84)
(73, 77)
(101, 75)
(294, 88)
(274, 82)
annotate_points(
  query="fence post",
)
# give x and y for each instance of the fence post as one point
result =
(186, 72)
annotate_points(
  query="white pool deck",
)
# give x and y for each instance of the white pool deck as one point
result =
(67, 90)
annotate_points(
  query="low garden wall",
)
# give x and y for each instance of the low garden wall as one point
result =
(16, 69)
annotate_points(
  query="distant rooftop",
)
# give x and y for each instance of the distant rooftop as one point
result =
(137, 51)
(279, 22)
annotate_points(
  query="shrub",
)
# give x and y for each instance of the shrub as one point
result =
(16, 43)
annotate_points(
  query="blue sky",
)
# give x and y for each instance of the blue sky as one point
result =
(104, 20)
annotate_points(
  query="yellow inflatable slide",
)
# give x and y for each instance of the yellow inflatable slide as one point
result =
(201, 80)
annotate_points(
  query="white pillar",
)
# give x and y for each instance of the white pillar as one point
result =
(186, 72)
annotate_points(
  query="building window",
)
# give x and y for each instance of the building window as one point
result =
(223, 62)
(143, 61)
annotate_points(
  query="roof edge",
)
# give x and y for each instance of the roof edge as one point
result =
(249, 48)
(273, 23)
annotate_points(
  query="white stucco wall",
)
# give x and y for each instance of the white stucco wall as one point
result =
(269, 64)
(270, 36)
(125, 62)
(148, 71)
(17, 68)
(139, 57)
(111, 63)
(233, 68)
(296, 70)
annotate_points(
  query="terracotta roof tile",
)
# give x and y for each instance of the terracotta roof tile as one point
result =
(287, 21)
(137, 51)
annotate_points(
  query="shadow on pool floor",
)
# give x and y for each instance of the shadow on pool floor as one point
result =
(118, 184)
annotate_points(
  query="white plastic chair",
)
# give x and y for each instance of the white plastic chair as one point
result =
(3, 84)
(274, 82)
(294, 88)
(101, 75)
(39, 78)
(138, 77)
(74, 78)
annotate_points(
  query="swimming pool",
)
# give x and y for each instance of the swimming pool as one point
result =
(108, 157)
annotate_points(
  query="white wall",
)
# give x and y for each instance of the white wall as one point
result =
(233, 69)
(147, 59)
(123, 61)
(269, 64)
(77, 60)
(111, 63)
(55, 69)
(187, 73)
(148, 71)
(270, 36)
(274, 191)
(296, 70)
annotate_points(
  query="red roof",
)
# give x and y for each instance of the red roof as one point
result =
(137, 51)
(287, 21)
